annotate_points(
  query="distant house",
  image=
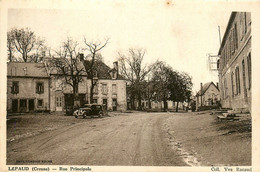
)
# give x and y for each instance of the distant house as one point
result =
(27, 87)
(208, 95)
(235, 63)
(34, 87)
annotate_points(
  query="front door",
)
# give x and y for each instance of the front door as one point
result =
(114, 105)
(14, 105)
(31, 105)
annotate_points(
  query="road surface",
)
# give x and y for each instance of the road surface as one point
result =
(134, 139)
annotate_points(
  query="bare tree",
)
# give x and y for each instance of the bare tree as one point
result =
(68, 66)
(24, 41)
(91, 62)
(10, 47)
(135, 72)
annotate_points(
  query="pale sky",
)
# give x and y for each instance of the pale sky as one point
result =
(181, 34)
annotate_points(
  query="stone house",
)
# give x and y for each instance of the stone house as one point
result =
(34, 87)
(208, 95)
(234, 65)
(27, 87)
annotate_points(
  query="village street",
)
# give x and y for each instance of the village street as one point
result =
(136, 139)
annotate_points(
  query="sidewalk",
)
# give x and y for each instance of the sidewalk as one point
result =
(201, 140)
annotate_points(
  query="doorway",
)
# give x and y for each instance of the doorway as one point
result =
(114, 105)
(105, 104)
(31, 105)
(15, 105)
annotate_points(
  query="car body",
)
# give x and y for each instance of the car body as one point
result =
(89, 110)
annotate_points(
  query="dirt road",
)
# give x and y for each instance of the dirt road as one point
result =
(133, 139)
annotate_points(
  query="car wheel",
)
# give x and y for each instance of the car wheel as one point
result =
(100, 114)
(76, 116)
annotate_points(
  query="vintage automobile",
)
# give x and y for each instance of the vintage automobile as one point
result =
(89, 110)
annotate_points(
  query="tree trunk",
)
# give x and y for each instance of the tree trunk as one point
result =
(177, 106)
(91, 92)
(76, 102)
(165, 105)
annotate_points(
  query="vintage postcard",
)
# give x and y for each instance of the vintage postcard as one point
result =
(129, 85)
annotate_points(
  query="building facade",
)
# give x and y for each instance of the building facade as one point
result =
(234, 64)
(34, 87)
(209, 95)
(27, 87)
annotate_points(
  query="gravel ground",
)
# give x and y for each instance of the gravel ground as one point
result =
(205, 142)
(160, 139)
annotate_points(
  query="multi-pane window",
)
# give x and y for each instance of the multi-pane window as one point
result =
(39, 88)
(249, 70)
(40, 103)
(114, 88)
(104, 89)
(15, 87)
(58, 101)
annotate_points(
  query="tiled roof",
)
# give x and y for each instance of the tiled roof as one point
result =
(22, 69)
(103, 71)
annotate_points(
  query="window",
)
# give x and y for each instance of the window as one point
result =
(15, 87)
(94, 100)
(39, 88)
(249, 70)
(114, 88)
(95, 89)
(114, 75)
(244, 80)
(58, 102)
(235, 36)
(40, 103)
(232, 84)
(237, 80)
(104, 89)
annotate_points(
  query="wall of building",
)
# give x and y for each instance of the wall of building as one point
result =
(58, 90)
(27, 90)
(236, 93)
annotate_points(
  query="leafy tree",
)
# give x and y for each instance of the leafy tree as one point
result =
(180, 86)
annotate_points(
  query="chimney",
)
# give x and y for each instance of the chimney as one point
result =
(217, 85)
(115, 65)
(81, 56)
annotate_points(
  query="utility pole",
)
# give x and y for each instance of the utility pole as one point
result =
(219, 35)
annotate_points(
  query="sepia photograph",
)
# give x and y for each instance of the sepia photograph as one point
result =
(127, 84)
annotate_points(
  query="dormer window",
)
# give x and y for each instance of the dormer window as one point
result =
(114, 75)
